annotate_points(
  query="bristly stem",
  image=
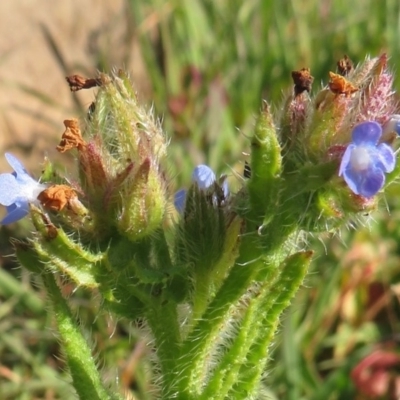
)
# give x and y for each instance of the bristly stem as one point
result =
(226, 372)
(293, 271)
(81, 363)
(192, 365)
(163, 321)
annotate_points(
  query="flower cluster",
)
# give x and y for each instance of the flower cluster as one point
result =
(216, 280)
(363, 167)
(310, 128)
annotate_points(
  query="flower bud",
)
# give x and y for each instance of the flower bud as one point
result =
(296, 112)
(142, 201)
(266, 165)
(119, 154)
(204, 223)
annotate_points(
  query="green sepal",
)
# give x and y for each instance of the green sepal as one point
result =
(125, 86)
(293, 126)
(230, 253)
(143, 203)
(324, 212)
(50, 174)
(311, 177)
(322, 131)
(285, 126)
(142, 269)
(148, 267)
(123, 294)
(206, 283)
(148, 259)
(60, 253)
(266, 165)
(202, 230)
(131, 310)
(28, 257)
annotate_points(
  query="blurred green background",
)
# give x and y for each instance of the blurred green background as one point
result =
(204, 66)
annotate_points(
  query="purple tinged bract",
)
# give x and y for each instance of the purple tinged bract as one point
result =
(17, 190)
(365, 162)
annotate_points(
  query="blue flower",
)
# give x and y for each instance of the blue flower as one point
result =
(204, 177)
(17, 190)
(365, 162)
(392, 125)
(179, 200)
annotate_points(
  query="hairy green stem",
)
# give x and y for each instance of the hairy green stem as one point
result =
(276, 301)
(202, 291)
(85, 376)
(225, 374)
(163, 320)
(195, 349)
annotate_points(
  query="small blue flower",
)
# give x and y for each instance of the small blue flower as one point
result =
(17, 190)
(392, 125)
(179, 200)
(204, 177)
(365, 162)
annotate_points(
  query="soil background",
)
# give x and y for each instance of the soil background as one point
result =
(42, 41)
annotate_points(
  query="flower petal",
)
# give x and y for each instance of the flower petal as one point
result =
(10, 189)
(16, 165)
(225, 188)
(20, 173)
(179, 200)
(372, 183)
(386, 157)
(15, 212)
(367, 133)
(366, 183)
(203, 176)
(346, 158)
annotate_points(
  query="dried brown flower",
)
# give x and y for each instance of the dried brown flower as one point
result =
(77, 82)
(57, 197)
(340, 85)
(345, 66)
(72, 137)
(302, 80)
